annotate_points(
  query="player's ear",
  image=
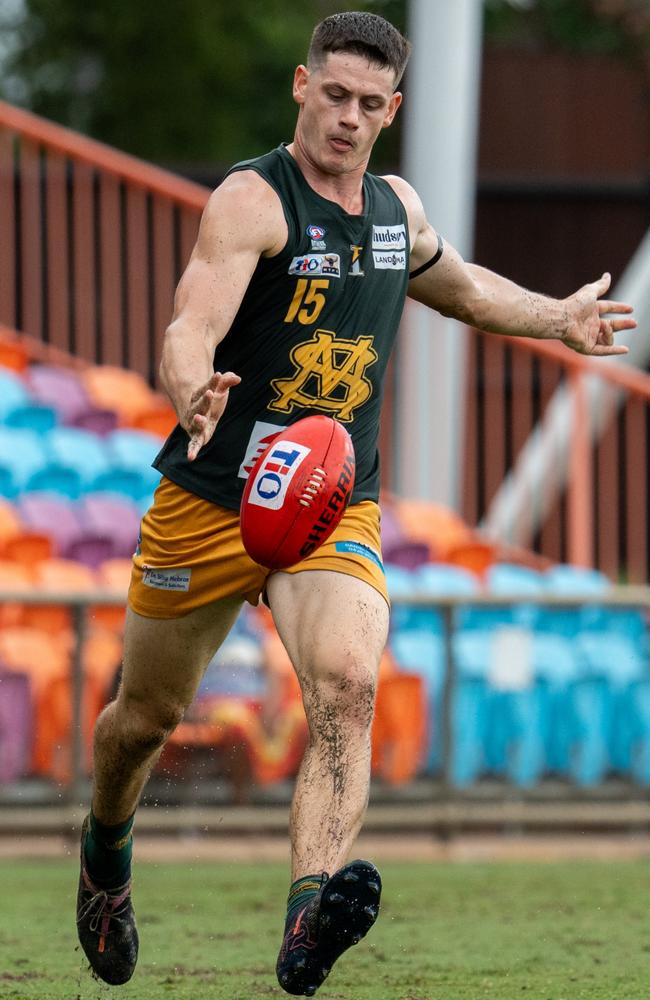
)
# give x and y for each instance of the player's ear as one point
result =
(391, 110)
(300, 78)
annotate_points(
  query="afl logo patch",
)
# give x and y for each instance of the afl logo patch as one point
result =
(316, 232)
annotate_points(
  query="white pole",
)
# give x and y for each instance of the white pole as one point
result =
(441, 109)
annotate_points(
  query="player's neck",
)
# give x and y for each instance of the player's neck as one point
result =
(345, 189)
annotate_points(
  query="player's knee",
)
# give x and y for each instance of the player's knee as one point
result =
(145, 728)
(345, 691)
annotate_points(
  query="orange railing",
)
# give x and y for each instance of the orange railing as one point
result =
(93, 242)
(601, 518)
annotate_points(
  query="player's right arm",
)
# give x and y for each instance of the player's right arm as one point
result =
(242, 221)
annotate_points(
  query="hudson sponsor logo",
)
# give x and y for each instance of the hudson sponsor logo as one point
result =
(395, 261)
(317, 263)
(274, 476)
(261, 436)
(388, 238)
(167, 579)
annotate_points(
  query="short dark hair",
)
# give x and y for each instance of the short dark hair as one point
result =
(367, 35)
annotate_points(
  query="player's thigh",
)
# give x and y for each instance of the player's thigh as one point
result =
(165, 658)
(333, 625)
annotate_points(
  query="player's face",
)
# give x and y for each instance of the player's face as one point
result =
(344, 105)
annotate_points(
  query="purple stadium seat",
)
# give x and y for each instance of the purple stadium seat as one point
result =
(117, 517)
(15, 726)
(392, 532)
(62, 520)
(91, 550)
(59, 388)
(101, 422)
(52, 514)
(406, 554)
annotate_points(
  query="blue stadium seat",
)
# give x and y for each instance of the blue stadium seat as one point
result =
(32, 416)
(21, 455)
(74, 448)
(54, 478)
(13, 392)
(422, 651)
(130, 449)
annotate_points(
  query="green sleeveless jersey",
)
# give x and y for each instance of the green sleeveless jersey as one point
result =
(313, 334)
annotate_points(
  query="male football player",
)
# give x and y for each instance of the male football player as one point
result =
(289, 306)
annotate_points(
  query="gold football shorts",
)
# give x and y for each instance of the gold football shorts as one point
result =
(190, 553)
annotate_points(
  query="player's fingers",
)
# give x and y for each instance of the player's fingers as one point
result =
(604, 350)
(226, 381)
(623, 324)
(601, 286)
(607, 306)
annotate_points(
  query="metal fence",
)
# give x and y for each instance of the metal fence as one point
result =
(75, 790)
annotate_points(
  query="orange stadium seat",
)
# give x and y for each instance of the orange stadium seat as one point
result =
(102, 655)
(474, 555)
(10, 523)
(14, 577)
(115, 575)
(440, 528)
(116, 389)
(400, 728)
(159, 420)
(13, 355)
(28, 548)
(58, 575)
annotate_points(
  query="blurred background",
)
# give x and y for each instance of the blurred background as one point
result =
(515, 474)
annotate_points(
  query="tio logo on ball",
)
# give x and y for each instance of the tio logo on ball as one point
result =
(274, 476)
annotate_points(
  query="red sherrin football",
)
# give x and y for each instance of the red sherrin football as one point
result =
(297, 492)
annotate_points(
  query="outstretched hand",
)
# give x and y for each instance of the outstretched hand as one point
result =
(206, 409)
(590, 327)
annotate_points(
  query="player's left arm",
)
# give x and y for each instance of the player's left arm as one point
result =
(584, 321)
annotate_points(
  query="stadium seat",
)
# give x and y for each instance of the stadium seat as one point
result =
(13, 392)
(112, 388)
(391, 530)
(60, 388)
(13, 355)
(53, 514)
(60, 576)
(117, 517)
(159, 420)
(438, 526)
(16, 726)
(128, 483)
(406, 554)
(21, 456)
(135, 451)
(96, 421)
(421, 651)
(32, 417)
(114, 575)
(10, 522)
(28, 548)
(56, 479)
(400, 728)
(77, 449)
(39, 654)
(475, 555)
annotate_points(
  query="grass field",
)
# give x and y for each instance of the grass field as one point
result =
(463, 931)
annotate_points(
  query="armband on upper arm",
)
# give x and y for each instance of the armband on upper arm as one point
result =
(434, 260)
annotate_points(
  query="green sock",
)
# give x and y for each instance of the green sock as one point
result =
(107, 850)
(301, 892)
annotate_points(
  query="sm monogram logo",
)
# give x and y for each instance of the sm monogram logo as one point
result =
(329, 376)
